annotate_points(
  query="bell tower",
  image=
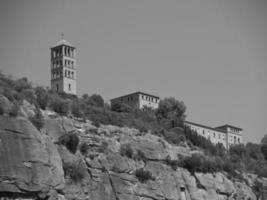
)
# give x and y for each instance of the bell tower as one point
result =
(63, 67)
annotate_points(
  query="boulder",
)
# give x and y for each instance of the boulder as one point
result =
(30, 162)
(27, 109)
(5, 103)
(57, 127)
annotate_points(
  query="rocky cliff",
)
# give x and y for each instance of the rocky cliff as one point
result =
(35, 165)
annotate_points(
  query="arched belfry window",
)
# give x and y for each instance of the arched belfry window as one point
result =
(69, 87)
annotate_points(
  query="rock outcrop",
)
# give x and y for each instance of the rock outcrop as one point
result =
(32, 165)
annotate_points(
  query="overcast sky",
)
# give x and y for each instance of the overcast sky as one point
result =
(210, 54)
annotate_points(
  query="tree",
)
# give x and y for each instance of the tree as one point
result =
(42, 97)
(38, 119)
(238, 150)
(94, 100)
(264, 139)
(121, 107)
(22, 84)
(171, 110)
(77, 108)
(264, 150)
(60, 106)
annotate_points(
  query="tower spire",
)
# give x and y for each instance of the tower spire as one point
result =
(62, 36)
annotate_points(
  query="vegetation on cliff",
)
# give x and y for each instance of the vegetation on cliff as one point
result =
(166, 121)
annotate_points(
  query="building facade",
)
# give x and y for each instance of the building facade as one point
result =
(227, 135)
(138, 100)
(63, 68)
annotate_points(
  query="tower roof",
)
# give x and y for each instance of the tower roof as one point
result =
(63, 42)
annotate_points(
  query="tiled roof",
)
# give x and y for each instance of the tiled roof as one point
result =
(134, 93)
(227, 125)
(203, 126)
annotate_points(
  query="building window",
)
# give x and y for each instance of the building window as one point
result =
(69, 87)
(213, 134)
(203, 132)
(57, 87)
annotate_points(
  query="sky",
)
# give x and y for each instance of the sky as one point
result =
(210, 54)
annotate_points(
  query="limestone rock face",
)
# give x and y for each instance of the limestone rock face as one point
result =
(57, 127)
(30, 162)
(5, 103)
(27, 109)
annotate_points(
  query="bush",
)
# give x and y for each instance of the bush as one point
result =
(172, 111)
(126, 150)
(173, 163)
(95, 100)
(41, 97)
(121, 107)
(84, 148)
(96, 123)
(37, 120)
(77, 108)
(200, 163)
(14, 110)
(2, 111)
(193, 163)
(70, 141)
(143, 175)
(60, 106)
(103, 148)
(29, 95)
(140, 156)
(75, 171)
(173, 137)
(22, 84)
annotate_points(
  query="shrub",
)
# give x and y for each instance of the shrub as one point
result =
(70, 141)
(41, 97)
(200, 163)
(126, 150)
(173, 137)
(171, 110)
(2, 111)
(143, 175)
(193, 163)
(96, 123)
(84, 148)
(75, 171)
(22, 84)
(29, 95)
(103, 148)
(95, 100)
(258, 189)
(173, 163)
(140, 156)
(60, 106)
(14, 110)
(9, 94)
(121, 107)
(77, 108)
(38, 119)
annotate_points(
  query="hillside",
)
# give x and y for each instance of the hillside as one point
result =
(32, 165)
(59, 147)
